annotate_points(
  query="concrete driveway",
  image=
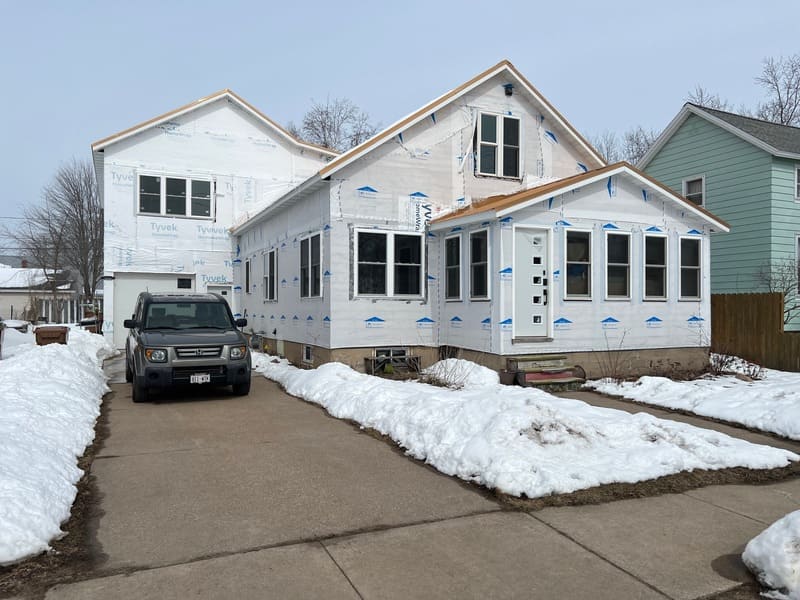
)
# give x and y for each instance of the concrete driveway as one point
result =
(267, 496)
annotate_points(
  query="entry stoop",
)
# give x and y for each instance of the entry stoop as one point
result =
(550, 372)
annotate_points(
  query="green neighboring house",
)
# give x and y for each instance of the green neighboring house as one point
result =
(747, 172)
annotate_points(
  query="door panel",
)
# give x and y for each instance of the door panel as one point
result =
(531, 282)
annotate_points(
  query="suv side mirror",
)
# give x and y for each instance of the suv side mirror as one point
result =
(130, 323)
(241, 322)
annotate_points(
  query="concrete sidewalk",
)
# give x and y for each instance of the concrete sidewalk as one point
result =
(267, 496)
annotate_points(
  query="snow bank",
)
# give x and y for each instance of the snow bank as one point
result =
(49, 400)
(769, 404)
(521, 441)
(15, 341)
(774, 557)
(458, 373)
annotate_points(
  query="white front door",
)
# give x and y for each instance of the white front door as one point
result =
(531, 274)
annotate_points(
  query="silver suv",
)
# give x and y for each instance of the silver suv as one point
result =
(191, 339)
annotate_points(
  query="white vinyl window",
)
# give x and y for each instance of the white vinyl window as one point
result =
(498, 145)
(452, 268)
(174, 196)
(479, 265)
(270, 276)
(694, 189)
(247, 276)
(797, 183)
(655, 267)
(690, 257)
(618, 265)
(578, 265)
(311, 266)
(388, 264)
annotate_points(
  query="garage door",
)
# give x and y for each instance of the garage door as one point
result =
(128, 286)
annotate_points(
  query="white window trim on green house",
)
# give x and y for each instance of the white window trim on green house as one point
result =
(797, 183)
(692, 195)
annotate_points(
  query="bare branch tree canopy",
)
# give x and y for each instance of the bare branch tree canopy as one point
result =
(337, 124)
(782, 276)
(702, 97)
(781, 80)
(607, 145)
(66, 230)
(636, 142)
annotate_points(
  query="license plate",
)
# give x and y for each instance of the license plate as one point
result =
(200, 378)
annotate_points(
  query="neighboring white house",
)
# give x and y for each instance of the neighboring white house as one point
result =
(352, 261)
(27, 293)
(173, 186)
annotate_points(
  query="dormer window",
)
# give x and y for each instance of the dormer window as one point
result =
(498, 146)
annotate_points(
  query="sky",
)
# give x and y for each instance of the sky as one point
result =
(74, 72)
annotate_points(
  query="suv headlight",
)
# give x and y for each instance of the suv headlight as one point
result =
(156, 355)
(238, 352)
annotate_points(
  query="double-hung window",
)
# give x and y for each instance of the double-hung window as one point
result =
(270, 274)
(479, 265)
(655, 267)
(797, 183)
(311, 267)
(174, 196)
(694, 189)
(452, 268)
(498, 145)
(690, 269)
(579, 264)
(388, 263)
(618, 265)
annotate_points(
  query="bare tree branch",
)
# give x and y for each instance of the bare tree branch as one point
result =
(782, 276)
(636, 142)
(781, 80)
(702, 97)
(607, 144)
(337, 124)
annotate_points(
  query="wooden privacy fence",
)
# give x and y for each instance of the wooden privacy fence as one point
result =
(751, 326)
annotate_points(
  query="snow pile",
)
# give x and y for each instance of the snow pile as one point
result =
(769, 404)
(774, 557)
(457, 373)
(521, 441)
(49, 399)
(15, 341)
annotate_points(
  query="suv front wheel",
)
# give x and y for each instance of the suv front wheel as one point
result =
(241, 389)
(140, 393)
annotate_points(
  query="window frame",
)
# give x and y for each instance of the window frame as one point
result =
(188, 195)
(458, 270)
(581, 297)
(488, 295)
(499, 145)
(306, 280)
(390, 264)
(665, 267)
(699, 269)
(626, 234)
(271, 275)
(248, 276)
(686, 181)
(797, 182)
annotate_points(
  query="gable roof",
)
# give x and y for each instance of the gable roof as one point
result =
(778, 140)
(186, 108)
(499, 206)
(504, 67)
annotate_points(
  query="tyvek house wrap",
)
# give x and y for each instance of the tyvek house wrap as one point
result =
(249, 166)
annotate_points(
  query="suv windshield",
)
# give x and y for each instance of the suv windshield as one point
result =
(187, 315)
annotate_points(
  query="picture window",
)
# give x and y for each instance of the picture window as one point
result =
(388, 264)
